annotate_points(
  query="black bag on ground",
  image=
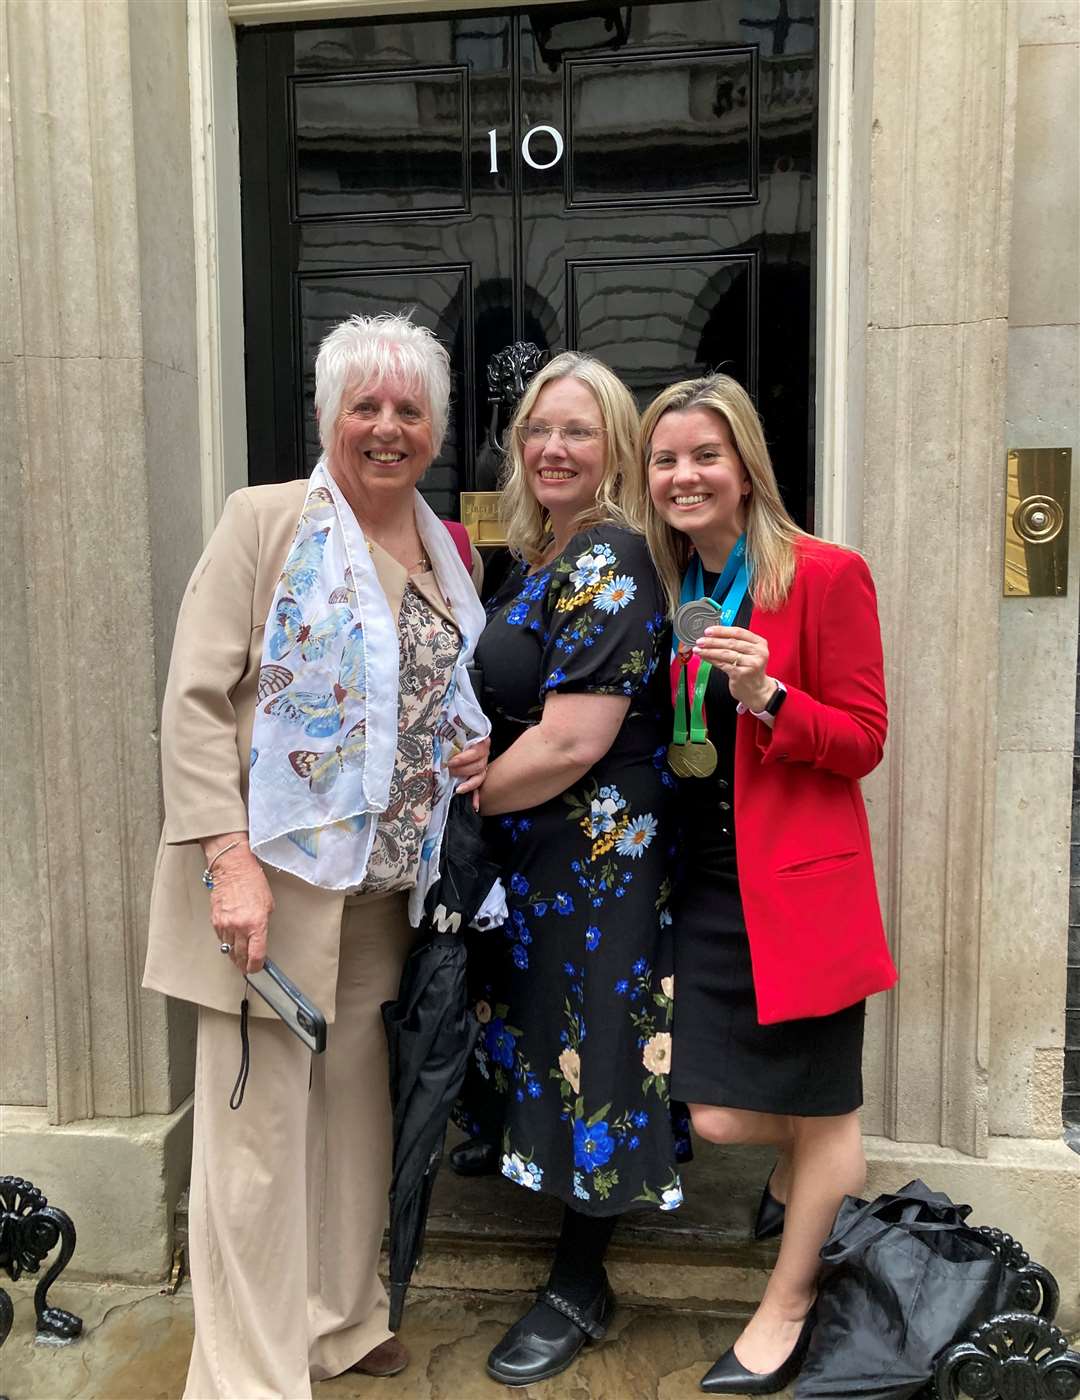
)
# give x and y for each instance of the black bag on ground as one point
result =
(902, 1278)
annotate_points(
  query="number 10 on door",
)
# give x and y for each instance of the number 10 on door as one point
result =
(526, 148)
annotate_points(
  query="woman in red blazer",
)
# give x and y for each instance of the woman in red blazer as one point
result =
(779, 710)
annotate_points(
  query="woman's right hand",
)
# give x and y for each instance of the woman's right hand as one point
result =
(240, 902)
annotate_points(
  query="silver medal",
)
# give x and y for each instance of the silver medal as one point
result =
(691, 619)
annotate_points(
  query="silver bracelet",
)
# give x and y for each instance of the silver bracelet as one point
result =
(208, 873)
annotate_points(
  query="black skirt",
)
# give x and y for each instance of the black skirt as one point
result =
(720, 1053)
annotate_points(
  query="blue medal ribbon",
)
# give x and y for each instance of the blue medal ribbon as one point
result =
(730, 587)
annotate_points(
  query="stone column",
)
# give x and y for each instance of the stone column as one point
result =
(935, 347)
(931, 266)
(1037, 676)
(103, 478)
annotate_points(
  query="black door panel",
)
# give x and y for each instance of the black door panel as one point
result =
(635, 181)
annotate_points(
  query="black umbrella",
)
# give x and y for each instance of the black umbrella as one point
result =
(431, 1032)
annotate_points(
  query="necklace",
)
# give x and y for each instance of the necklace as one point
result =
(420, 566)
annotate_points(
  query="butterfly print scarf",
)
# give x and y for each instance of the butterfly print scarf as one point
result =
(325, 729)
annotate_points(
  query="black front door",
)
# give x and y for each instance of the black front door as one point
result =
(637, 181)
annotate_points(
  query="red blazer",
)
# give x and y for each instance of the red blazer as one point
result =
(806, 873)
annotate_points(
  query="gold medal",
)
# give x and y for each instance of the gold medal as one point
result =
(677, 761)
(692, 760)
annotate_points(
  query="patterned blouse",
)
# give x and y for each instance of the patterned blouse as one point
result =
(428, 644)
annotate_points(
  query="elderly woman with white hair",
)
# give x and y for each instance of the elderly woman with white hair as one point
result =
(317, 718)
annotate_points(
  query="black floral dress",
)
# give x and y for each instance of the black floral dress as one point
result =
(574, 993)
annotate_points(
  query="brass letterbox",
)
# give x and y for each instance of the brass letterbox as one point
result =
(480, 516)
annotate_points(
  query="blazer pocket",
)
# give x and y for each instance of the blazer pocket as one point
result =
(817, 865)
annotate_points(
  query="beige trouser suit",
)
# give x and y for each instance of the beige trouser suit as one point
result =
(288, 1192)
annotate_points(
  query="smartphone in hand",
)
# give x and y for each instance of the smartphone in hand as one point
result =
(302, 1017)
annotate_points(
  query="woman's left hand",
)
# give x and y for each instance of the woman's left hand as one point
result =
(744, 658)
(469, 767)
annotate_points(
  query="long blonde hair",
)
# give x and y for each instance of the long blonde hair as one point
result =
(770, 531)
(621, 494)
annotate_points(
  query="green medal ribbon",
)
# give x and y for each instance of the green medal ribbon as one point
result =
(697, 758)
(698, 733)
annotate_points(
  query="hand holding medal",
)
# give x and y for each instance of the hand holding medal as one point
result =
(743, 657)
(691, 753)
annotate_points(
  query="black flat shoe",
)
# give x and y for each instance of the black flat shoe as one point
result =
(770, 1214)
(730, 1377)
(475, 1158)
(549, 1336)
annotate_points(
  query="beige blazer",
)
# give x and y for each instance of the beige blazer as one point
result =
(206, 725)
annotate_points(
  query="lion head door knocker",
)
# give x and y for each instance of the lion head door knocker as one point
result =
(508, 372)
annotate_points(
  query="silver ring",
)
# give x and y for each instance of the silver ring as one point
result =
(226, 948)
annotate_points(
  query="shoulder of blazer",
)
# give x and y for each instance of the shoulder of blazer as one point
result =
(262, 519)
(269, 503)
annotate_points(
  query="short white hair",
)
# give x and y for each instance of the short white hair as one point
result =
(367, 350)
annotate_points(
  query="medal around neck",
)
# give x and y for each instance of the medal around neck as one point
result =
(691, 753)
(692, 618)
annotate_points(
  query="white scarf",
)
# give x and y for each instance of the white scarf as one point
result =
(325, 735)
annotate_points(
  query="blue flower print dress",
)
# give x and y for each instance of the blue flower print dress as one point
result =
(571, 1070)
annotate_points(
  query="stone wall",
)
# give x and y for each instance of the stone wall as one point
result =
(1039, 635)
(936, 278)
(102, 521)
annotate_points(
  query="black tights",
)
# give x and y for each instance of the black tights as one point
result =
(578, 1268)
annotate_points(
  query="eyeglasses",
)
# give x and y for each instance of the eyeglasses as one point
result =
(577, 436)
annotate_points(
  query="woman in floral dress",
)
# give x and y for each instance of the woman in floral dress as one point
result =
(571, 1069)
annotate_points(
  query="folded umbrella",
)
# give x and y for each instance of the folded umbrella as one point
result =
(431, 1032)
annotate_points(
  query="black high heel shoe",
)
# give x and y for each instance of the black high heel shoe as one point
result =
(475, 1158)
(770, 1214)
(549, 1336)
(730, 1377)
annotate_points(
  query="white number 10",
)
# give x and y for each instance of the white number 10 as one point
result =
(526, 153)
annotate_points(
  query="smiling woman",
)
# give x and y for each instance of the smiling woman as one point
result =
(786, 706)
(383, 440)
(572, 457)
(317, 718)
(570, 1089)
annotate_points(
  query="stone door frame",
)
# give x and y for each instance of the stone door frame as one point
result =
(219, 306)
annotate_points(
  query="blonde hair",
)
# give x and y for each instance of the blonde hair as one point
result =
(620, 496)
(770, 531)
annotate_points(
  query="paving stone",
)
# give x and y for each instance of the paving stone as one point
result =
(136, 1343)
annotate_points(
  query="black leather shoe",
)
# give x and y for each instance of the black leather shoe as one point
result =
(770, 1214)
(549, 1336)
(730, 1377)
(475, 1158)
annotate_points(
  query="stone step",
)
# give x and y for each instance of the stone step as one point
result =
(486, 1235)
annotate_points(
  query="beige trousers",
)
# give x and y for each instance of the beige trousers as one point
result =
(289, 1192)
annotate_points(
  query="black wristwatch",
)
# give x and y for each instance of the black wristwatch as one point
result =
(777, 698)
